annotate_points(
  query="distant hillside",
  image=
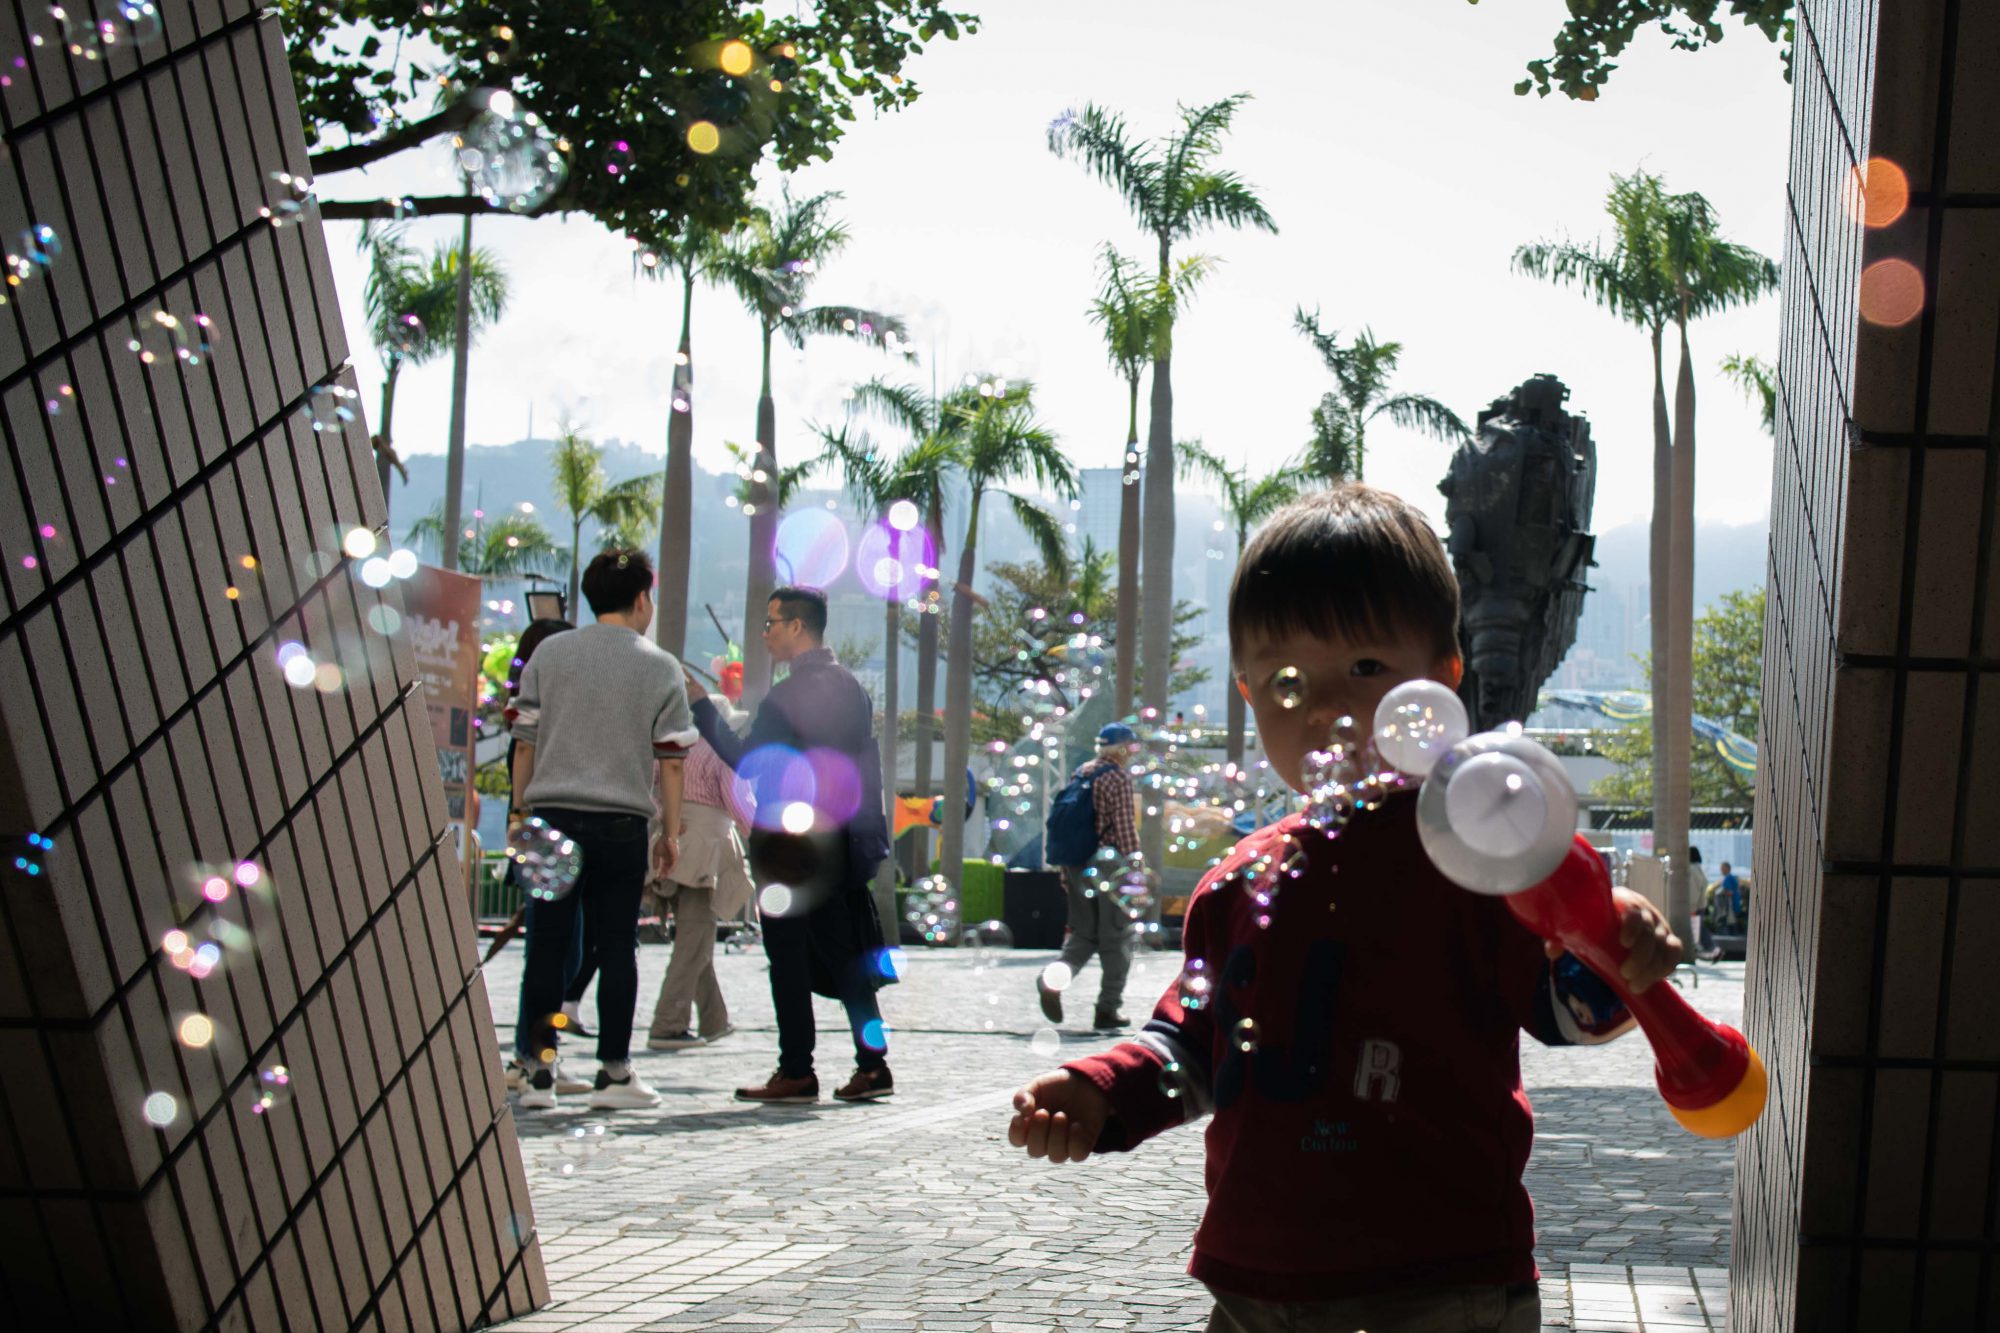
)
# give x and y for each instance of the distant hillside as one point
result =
(1726, 558)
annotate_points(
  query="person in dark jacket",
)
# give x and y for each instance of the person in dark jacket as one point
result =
(812, 763)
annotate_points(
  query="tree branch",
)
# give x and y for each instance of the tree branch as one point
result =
(429, 206)
(454, 117)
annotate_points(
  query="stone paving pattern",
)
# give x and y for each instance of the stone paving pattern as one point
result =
(913, 1213)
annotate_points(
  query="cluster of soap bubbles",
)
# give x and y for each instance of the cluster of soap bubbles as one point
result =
(108, 25)
(1344, 778)
(546, 861)
(933, 909)
(273, 1088)
(285, 197)
(582, 1147)
(37, 252)
(330, 407)
(165, 336)
(510, 156)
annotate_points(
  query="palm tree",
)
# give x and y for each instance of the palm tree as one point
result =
(502, 548)
(1361, 371)
(779, 490)
(1627, 281)
(687, 256)
(876, 482)
(1248, 502)
(770, 263)
(939, 419)
(409, 304)
(1000, 443)
(1174, 191)
(583, 494)
(1758, 379)
(1132, 314)
(1706, 274)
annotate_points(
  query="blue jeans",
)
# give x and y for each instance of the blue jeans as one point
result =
(604, 905)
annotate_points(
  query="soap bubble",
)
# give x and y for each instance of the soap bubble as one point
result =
(38, 250)
(1288, 687)
(510, 156)
(1057, 976)
(1046, 1042)
(1174, 1080)
(934, 911)
(274, 1088)
(1194, 988)
(988, 936)
(546, 861)
(285, 197)
(811, 548)
(580, 1147)
(165, 336)
(1244, 1035)
(160, 1109)
(1416, 723)
(331, 406)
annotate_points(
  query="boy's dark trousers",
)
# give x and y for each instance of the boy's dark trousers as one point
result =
(614, 849)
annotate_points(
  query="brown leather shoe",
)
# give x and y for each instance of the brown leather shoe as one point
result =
(782, 1091)
(866, 1086)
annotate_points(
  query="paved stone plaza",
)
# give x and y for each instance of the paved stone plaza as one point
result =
(915, 1214)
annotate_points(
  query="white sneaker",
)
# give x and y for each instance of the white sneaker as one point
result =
(517, 1075)
(630, 1092)
(568, 1085)
(540, 1094)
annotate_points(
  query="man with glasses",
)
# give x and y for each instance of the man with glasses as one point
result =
(812, 762)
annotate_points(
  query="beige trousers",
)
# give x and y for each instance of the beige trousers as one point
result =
(690, 982)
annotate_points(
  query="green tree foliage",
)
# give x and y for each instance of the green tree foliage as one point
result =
(1012, 645)
(1758, 379)
(503, 548)
(1728, 682)
(617, 84)
(1597, 31)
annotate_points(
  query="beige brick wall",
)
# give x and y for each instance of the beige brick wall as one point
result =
(1866, 1196)
(145, 729)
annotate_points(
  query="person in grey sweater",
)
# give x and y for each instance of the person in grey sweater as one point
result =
(602, 726)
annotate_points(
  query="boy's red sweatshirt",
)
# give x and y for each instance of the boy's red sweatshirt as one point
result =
(1361, 1055)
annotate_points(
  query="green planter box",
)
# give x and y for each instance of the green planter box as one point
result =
(981, 893)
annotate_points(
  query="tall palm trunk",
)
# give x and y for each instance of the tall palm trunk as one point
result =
(1127, 647)
(1232, 696)
(1680, 645)
(677, 499)
(958, 708)
(1156, 619)
(927, 659)
(391, 368)
(575, 567)
(1659, 565)
(461, 372)
(892, 630)
(763, 535)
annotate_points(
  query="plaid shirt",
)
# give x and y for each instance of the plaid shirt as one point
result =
(1111, 796)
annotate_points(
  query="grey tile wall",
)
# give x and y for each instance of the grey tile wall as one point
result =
(1867, 1196)
(165, 525)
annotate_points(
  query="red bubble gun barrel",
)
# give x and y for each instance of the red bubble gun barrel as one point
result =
(1711, 1078)
(1497, 815)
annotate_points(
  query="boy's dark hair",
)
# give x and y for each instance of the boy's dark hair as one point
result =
(803, 604)
(1345, 560)
(614, 579)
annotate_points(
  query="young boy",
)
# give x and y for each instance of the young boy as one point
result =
(1349, 1015)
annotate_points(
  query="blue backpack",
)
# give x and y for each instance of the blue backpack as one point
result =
(1071, 836)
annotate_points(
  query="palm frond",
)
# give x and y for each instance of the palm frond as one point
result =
(844, 321)
(1223, 200)
(1758, 379)
(1200, 138)
(1196, 460)
(578, 467)
(628, 505)
(1046, 532)
(1100, 141)
(853, 455)
(1267, 497)
(1414, 411)
(900, 405)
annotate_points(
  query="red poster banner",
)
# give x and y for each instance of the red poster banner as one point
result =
(441, 613)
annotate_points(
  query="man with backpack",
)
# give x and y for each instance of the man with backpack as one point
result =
(1092, 828)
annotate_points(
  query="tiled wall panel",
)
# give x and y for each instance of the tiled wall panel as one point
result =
(1867, 1195)
(164, 527)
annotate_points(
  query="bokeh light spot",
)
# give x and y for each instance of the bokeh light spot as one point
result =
(161, 1110)
(1878, 192)
(1892, 292)
(811, 548)
(197, 1031)
(703, 137)
(736, 58)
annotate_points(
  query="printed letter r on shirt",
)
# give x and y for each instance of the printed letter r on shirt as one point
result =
(1380, 1063)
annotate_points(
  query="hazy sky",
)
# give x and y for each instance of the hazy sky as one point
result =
(1385, 139)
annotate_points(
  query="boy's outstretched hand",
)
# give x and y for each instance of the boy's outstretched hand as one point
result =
(1058, 1116)
(1654, 951)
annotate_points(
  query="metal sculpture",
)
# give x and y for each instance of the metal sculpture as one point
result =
(1517, 501)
